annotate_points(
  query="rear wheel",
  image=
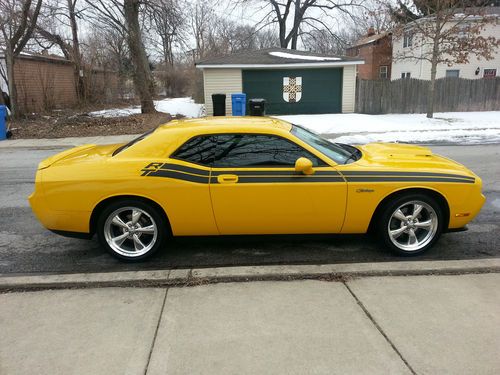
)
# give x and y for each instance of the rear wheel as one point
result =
(411, 224)
(131, 230)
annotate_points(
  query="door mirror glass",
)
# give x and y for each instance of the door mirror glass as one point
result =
(304, 165)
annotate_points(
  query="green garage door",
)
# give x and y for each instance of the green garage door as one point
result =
(296, 91)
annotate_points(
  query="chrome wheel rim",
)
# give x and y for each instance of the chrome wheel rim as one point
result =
(412, 225)
(130, 231)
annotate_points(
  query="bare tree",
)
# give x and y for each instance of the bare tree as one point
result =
(216, 35)
(448, 32)
(122, 16)
(168, 24)
(295, 16)
(18, 19)
(322, 41)
(58, 15)
(202, 21)
(374, 14)
(143, 79)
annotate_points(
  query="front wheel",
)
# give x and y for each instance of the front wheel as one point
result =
(411, 224)
(131, 230)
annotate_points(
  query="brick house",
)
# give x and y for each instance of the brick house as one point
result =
(376, 51)
(45, 82)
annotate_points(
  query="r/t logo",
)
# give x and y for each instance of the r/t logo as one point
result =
(151, 167)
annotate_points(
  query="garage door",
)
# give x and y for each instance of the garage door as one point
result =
(296, 91)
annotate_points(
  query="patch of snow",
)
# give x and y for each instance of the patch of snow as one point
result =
(286, 55)
(449, 127)
(175, 106)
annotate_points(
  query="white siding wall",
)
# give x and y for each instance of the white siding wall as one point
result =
(221, 81)
(349, 89)
(422, 69)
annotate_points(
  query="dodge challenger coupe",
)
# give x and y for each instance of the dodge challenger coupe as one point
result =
(251, 175)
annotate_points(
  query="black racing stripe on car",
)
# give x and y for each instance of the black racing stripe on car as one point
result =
(283, 179)
(273, 173)
(408, 179)
(179, 176)
(394, 173)
(183, 168)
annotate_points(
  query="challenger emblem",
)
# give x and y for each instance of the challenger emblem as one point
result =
(364, 190)
(292, 89)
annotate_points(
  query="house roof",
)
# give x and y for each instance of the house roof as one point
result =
(40, 57)
(276, 58)
(369, 39)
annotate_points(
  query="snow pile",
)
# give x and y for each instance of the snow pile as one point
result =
(448, 127)
(286, 55)
(175, 106)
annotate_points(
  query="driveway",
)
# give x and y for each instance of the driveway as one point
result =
(26, 247)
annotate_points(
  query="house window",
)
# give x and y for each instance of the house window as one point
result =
(452, 73)
(383, 71)
(407, 39)
(489, 73)
(405, 75)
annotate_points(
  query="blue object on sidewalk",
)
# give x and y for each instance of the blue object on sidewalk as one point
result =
(3, 125)
(239, 102)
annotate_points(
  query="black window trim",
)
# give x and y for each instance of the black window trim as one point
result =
(325, 164)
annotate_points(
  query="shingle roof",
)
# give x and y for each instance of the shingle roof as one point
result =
(276, 56)
(369, 39)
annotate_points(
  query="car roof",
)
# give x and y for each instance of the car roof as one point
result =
(226, 123)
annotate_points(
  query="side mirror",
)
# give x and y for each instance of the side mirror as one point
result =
(304, 165)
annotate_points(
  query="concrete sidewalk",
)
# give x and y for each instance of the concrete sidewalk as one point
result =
(372, 325)
(66, 142)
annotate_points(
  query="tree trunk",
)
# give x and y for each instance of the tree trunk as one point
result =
(297, 19)
(77, 58)
(430, 96)
(282, 34)
(432, 83)
(9, 65)
(143, 80)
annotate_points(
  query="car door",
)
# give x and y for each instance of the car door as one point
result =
(185, 190)
(255, 189)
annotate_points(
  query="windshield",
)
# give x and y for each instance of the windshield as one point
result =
(340, 153)
(133, 141)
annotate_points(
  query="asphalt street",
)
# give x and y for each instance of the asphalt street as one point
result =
(26, 247)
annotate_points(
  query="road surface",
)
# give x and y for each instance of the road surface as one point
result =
(26, 247)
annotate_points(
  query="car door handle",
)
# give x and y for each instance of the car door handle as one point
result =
(227, 179)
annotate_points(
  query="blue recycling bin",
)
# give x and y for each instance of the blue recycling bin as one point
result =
(3, 127)
(239, 102)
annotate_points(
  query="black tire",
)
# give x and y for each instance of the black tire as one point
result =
(386, 222)
(150, 215)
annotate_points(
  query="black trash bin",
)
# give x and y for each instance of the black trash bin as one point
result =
(257, 107)
(219, 103)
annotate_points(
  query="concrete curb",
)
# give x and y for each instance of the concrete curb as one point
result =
(188, 277)
(65, 142)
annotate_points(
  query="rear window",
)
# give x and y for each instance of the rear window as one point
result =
(198, 150)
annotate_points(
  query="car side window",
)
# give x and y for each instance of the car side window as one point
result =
(198, 150)
(256, 150)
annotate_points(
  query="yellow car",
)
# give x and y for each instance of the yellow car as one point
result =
(251, 175)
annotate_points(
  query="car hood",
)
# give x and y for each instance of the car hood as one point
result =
(409, 157)
(78, 154)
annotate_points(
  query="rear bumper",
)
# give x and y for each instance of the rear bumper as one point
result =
(63, 221)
